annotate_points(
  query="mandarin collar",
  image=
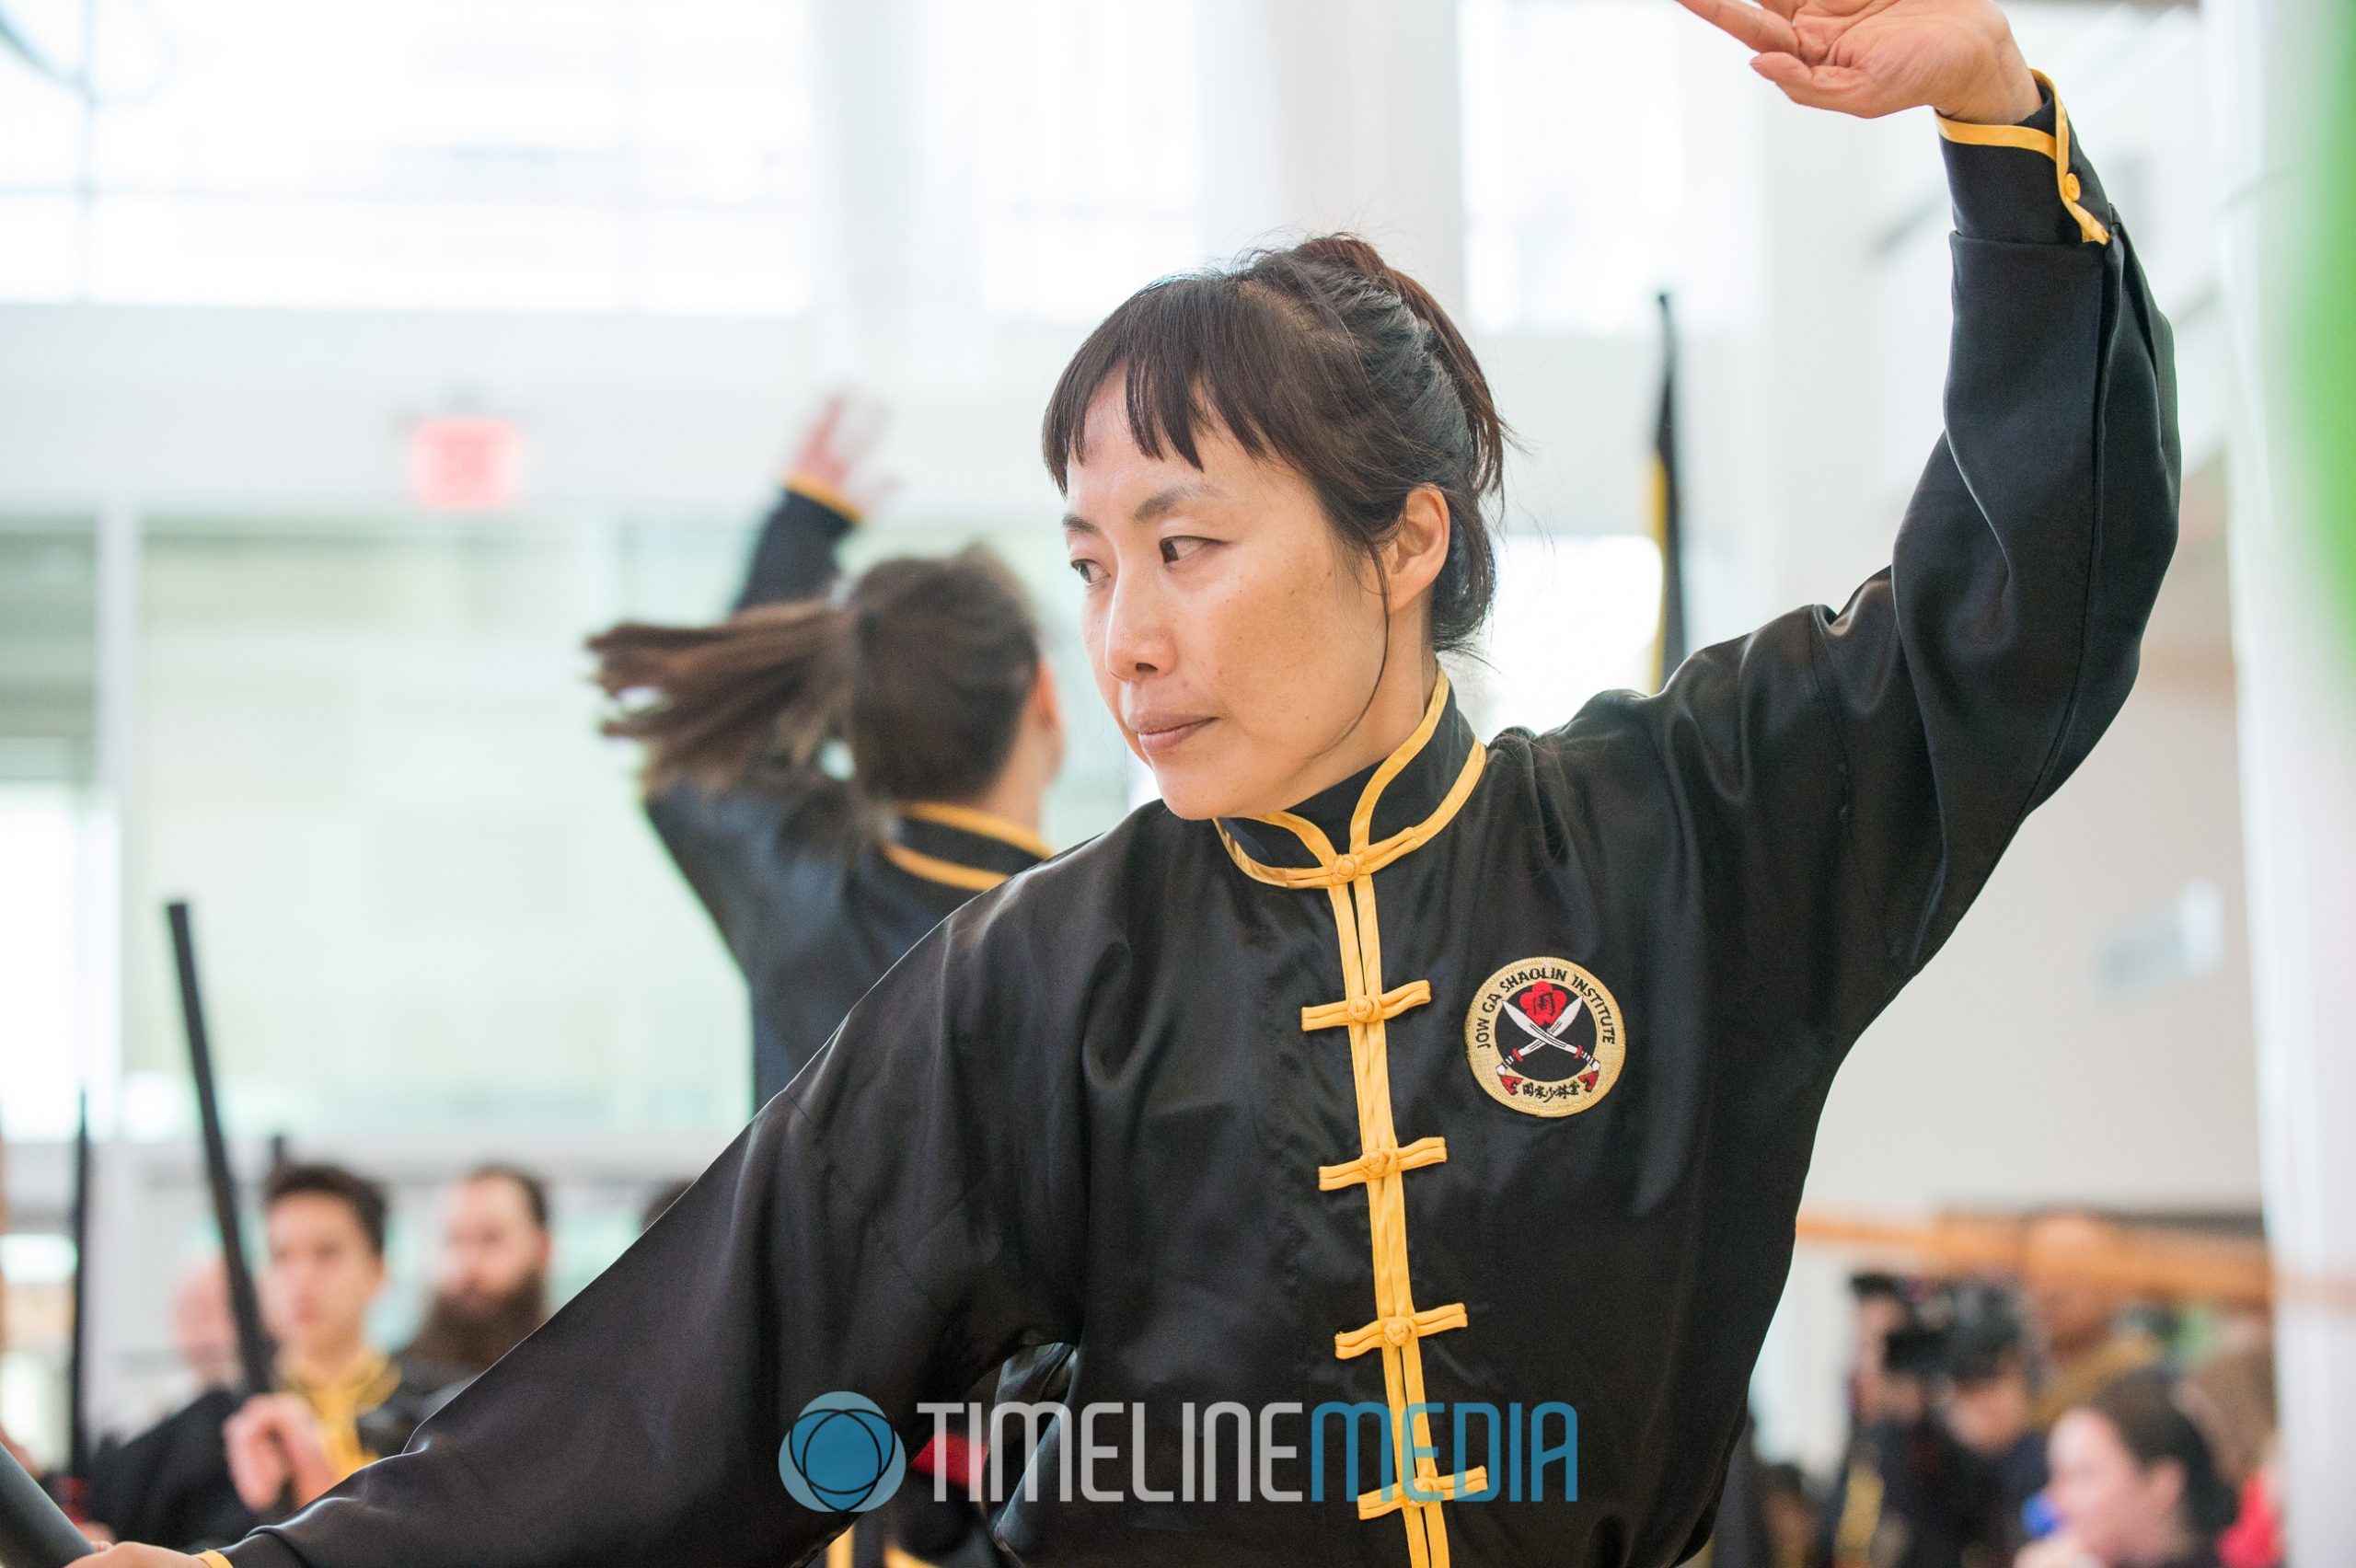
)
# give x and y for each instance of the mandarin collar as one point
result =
(967, 837)
(1418, 791)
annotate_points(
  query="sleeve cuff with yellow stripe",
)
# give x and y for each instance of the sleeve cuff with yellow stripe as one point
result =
(842, 512)
(2029, 183)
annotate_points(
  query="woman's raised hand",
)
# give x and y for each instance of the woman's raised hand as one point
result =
(133, 1555)
(1875, 57)
(835, 450)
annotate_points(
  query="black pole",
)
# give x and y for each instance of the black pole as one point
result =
(77, 1430)
(245, 1306)
(1672, 508)
(34, 1532)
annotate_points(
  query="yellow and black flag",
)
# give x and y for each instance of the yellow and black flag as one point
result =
(1668, 640)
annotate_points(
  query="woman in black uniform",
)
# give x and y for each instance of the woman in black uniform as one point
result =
(931, 674)
(929, 670)
(1381, 1070)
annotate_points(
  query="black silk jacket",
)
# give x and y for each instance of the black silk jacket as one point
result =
(814, 904)
(1488, 1074)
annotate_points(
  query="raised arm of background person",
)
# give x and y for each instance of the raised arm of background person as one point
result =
(794, 556)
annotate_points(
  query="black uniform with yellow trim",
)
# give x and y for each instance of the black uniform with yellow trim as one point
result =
(1488, 1074)
(375, 1408)
(814, 904)
(172, 1486)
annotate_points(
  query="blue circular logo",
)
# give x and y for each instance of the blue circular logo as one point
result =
(842, 1456)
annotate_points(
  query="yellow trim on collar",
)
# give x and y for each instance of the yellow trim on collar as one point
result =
(340, 1405)
(2056, 146)
(214, 1560)
(1365, 859)
(988, 825)
(824, 495)
(932, 868)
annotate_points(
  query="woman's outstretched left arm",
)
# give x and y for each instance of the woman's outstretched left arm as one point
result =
(890, 1226)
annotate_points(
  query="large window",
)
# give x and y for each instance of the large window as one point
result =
(52, 848)
(585, 154)
(367, 750)
(1574, 168)
(46, 965)
(1079, 125)
(581, 155)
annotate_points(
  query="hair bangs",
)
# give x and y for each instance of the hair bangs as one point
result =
(1196, 355)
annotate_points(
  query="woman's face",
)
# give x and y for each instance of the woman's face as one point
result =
(1232, 635)
(2116, 1509)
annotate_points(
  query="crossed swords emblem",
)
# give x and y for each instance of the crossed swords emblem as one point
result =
(1541, 1035)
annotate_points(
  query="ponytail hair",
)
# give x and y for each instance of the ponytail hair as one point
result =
(922, 669)
(1326, 358)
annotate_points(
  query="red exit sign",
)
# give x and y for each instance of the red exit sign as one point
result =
(470, 465)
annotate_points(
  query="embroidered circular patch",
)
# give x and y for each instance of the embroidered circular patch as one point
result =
(1544, 1037)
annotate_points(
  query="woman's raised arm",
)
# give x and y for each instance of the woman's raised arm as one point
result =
(1852, 777)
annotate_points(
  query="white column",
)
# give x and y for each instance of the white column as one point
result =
(869, 262)
(1361, 101)
(2297, 674)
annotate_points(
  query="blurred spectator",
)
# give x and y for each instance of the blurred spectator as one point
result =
(1988, 1409)
(1793, 1524)
(2134, 1484)
(2077, 1319)
(203, 1329)
(205, 1475)
(491, 1289)
(1904, 1495)
(1882, 1309)
(2258, 1538)
(2231, 1398)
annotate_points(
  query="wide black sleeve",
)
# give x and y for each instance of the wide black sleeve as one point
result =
(1839, 786)
(794, 556)
(893, 1225)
